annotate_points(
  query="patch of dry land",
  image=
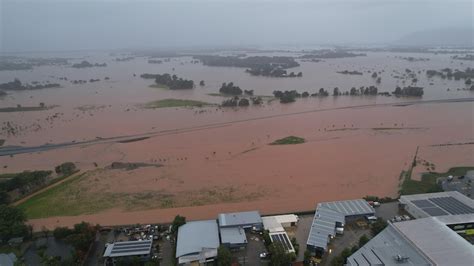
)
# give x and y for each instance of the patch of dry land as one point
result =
(231, 167)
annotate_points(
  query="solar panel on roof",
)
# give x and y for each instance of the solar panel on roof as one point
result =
(434, 211)
(423, 203)
(452, 205)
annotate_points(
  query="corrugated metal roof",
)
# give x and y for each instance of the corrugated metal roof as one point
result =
(329, 213)
(128, 248)
(383, 250)
(233, 235)
(239, 218)
(195, 237)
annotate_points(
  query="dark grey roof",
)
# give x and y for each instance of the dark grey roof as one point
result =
(239, 218)
(329, 213)
(194, 237)
(128, 248)
(233, 235)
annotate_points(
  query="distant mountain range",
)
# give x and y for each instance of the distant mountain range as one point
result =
(463, 37)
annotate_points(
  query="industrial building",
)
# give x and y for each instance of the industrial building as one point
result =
(276, 227)
(330, 217)
(440, 240)
(437, 204)
(128, 250)
(232, 227)
(197, 242)
(233, 237)
(277, 223)
(246, 220)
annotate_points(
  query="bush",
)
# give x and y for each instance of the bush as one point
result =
(65, 168)
(363, 240)
(61, 233)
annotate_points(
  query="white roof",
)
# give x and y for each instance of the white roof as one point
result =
(286, 218)
(199, 237)
(274, 223)
(271, 224)
(437, 241)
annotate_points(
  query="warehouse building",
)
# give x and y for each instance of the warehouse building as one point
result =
(233, 237)
(276, 227)
(441, 240)
(232, 227)
(330, 218)
(246, 220)
(437, 204)
(197, 242)
(128, 251)
(277, 223)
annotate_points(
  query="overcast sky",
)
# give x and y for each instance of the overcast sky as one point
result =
(39, 25)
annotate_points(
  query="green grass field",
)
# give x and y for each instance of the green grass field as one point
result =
(65, 199)
(427, 184)
(166, 103)
(288, 140)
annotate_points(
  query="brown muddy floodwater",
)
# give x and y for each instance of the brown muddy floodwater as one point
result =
(349, 153)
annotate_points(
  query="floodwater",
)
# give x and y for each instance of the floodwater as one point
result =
(349, 153)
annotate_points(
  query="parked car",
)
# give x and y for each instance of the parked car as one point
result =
(264, 255)
(406, 217)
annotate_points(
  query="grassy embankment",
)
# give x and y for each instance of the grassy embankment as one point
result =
(288, 140)
(57, 201)
(166, 103)
(428, 183)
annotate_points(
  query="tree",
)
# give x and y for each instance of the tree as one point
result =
(378, 226)
(279, 256)
(224, 257)
(244, 102)
(4, 197)
(307, 258)
(177, 222)
(45, 231)
(42, 105)
(201, 83)
(336, 92)
(468, 81)
(363, 240)
(65, 168)
(60, 233)
(12, 223)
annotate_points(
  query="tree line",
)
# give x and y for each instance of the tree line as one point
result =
(173, 82)
(16, 84)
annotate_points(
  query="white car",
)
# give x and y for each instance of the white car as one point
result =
(263, 255)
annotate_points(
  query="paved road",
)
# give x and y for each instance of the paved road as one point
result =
(12, 150)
